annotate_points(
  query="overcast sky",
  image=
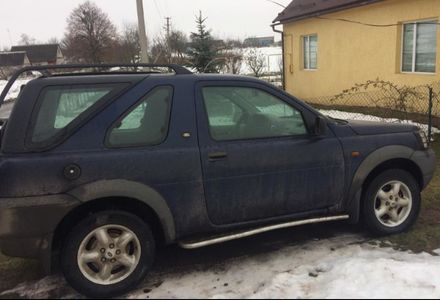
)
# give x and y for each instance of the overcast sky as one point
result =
(44, 19)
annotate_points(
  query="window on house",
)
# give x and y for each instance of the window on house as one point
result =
(310, 43)
(419, 47)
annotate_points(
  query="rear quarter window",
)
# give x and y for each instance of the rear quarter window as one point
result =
(145, 124)
(61, 107)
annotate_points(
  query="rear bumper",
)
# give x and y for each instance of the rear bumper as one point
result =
(427, 162)
(27, 225)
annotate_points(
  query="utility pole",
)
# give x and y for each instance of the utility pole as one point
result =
(142, 32)
(168, 29)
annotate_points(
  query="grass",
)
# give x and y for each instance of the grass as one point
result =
(14, 271)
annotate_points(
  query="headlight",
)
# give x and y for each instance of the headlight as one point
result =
(423, 137)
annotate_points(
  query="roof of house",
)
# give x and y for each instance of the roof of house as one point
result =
(39, 53)
(12, 59)
(302, 9)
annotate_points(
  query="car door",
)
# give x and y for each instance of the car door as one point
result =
(258, 157)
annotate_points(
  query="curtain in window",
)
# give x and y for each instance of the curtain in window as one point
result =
(310, 52)
(420, 57)
(306, 53)
(426, 47)
(313, 52)
(408, 48)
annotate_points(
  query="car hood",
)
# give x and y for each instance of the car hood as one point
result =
(371, 128)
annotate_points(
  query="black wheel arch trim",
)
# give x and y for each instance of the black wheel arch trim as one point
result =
(133, 190)
(371, 162)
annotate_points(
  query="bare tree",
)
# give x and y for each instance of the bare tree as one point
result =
(90, 35)
(178, 44)
(128, 47)
(26, 40)
(159, 51)
(233, 60)
(53, 40)
(256, 62)
(170, 49)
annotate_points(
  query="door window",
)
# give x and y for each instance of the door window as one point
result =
(236, 113)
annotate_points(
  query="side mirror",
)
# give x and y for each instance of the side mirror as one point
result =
(320, 126)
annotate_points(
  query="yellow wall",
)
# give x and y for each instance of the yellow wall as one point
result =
(350, 53)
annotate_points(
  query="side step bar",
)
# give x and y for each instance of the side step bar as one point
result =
(204, 243)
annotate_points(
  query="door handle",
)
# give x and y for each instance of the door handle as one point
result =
(217, 156)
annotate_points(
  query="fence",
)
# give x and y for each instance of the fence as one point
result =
(386, 102)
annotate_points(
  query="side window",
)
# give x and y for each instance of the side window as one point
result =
(236, 113)
(147, 123)
(59, 106)
(310, 43)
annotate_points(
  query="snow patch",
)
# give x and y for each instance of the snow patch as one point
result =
(362, 117)
(336, 268)
(340, 267)
(16, 87)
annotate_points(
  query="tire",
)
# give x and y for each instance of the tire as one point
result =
(381, 203)
(129, 254)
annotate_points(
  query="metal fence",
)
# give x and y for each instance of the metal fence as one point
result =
(386, 102)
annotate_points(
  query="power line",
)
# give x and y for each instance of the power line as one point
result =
(158, 9)
(277, 3)
(375, 25)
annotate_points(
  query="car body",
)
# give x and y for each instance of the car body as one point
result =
(199, 177)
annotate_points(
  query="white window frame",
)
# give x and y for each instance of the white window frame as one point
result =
(307, 64)
(413, 69)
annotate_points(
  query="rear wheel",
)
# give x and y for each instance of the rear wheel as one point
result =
(391, 203)
(108, 254)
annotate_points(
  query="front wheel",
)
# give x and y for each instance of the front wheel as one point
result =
(107, 254)
(391, 203)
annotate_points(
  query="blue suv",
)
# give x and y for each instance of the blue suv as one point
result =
(101, 169)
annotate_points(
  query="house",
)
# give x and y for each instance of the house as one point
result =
(13, 59)
(259, 42)
(48, 54)
(330, 45)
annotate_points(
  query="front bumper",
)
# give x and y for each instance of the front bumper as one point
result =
(427, 162)
(27, 225)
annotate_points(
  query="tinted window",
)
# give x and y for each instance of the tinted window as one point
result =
(60, 106)
(246, 113)
(147, 123)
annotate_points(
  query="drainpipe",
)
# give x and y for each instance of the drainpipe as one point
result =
(283, 73)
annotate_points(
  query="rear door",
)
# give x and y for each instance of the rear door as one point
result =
(259, 160)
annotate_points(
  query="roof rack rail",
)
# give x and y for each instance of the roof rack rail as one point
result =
(44, 70)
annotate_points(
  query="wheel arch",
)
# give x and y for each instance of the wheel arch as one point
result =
(131, 197)
(390, 157)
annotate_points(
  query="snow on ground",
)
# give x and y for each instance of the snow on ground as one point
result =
(273, 58)
(340, 267)
(335, 268)
(362, 117)
(15, 89)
